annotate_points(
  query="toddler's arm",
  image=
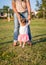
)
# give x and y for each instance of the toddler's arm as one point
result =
(28, 23)
(20, 21)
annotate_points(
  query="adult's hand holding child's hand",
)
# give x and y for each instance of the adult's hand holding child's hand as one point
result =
(29, 17)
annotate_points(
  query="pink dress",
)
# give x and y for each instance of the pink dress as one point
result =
(23, 36)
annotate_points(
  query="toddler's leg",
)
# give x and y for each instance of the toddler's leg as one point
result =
(20, 43)
(23, 44)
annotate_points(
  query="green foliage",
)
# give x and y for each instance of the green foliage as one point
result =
(10, 11)
(5, 8)
(41, 7)
(39, 14)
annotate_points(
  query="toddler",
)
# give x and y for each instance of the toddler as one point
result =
(23, 32)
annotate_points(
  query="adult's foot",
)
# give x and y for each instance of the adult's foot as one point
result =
(14, 43)
(30, 43)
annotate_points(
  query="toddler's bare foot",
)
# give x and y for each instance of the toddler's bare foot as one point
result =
(20, 45)
(23, 46)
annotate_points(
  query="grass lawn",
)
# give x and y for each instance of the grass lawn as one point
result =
(35, 55)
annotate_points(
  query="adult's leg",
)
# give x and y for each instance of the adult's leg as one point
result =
(16, 29)
(29, 33)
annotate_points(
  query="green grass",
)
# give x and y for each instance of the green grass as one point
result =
(35, 55)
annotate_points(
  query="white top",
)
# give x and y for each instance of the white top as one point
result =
(23, 29)
(20, 5)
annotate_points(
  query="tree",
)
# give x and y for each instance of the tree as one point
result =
(5, 9)
(37, 4)
(41, 8)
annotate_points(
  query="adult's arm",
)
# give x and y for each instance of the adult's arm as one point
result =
(15, 10)
(29, 9)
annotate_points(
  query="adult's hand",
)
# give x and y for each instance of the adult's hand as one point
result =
(29, 17)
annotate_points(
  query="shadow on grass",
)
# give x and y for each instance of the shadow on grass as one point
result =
(6, 42)
(39, 38)
(39, 35)
(3, 38)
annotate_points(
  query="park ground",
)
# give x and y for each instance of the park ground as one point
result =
(30, 55)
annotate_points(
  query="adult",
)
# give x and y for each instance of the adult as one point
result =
(21, 8)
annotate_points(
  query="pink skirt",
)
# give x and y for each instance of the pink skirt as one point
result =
(23, 38)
